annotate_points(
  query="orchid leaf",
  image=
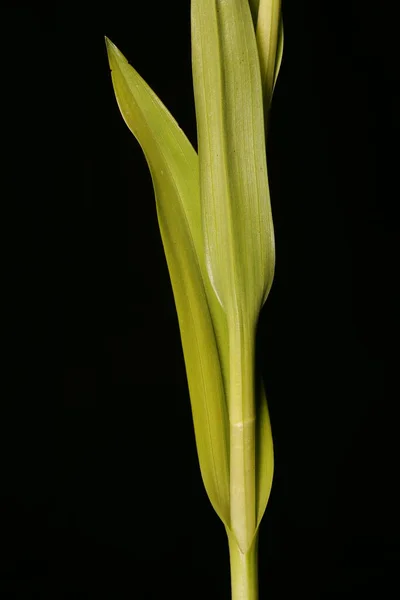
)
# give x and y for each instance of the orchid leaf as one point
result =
(216, 227)
(173, 165)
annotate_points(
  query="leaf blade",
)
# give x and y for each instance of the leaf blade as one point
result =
(237, 219)
(264, 454)
(269, 35)
(173, 165)
(233, 173)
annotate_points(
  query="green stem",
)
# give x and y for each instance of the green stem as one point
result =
(242, 434)
(244, 570)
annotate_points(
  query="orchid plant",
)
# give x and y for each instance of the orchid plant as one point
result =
(215, 220)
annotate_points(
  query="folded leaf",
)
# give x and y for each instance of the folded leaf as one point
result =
(214, 358)
(237, 220)
(269, 35)
(173, 165)
(264, 450)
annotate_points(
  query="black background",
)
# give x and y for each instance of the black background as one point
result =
(100, 491)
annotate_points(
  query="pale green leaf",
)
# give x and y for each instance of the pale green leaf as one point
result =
(264, 454)
(173, 165)
(237, 220)
(265, 46)
(269, 35)
(217, 328)
(269, 45)
(279, 52)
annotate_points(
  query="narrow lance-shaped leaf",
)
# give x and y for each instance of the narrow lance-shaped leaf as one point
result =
(279, 51)
(268, 24)
(265, 14)
(269, 35)
(143, 113)
(237, 221)
(173, 165)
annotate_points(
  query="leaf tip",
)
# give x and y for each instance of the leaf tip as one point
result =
(113, 52)
(108, 44)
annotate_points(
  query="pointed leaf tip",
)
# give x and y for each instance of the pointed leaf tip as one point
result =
(113, 52)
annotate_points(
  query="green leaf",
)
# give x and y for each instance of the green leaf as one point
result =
(279, 52)
(217, 322)
(237, 220)
(264, 454)
(173, 165)
(269, 35)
